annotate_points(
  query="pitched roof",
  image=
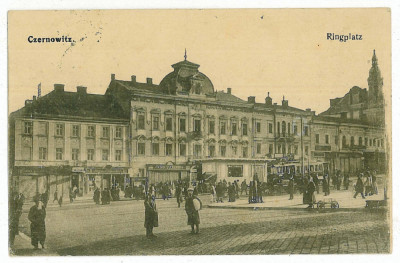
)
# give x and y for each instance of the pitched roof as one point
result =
(75, 105)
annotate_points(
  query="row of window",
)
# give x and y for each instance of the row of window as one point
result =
(75, 154)
(370, 142)
(211, 126)
(197, 149)
(75, 130)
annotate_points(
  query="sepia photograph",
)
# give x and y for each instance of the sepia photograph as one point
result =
(199, 132)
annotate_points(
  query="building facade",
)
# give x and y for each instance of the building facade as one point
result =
(181, 128)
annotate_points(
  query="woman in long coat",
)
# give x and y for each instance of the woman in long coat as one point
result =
(150, 215)
(310, 193)
(37, 215)
(192, 213)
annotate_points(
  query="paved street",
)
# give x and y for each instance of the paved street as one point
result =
(83, 228)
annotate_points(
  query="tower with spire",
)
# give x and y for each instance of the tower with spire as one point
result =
(375, 83)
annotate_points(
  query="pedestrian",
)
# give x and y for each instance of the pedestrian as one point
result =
(55, 196)
(16, 203)
(243, 187)
(316, 182)
(374, 185)
(291, 187)
(150, 215)
(338, 179)
(359, 187)
(231, 192)
(178, 194)
(310, 193)
(96, 196)
(60, 200)
(37, 216)
(213, 193)
(71, 195)
(368, 184)
(45, 198)
(346, 181)
(220, 192)
(192, 211)
(325, 185)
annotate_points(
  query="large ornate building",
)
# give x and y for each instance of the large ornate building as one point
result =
(184, 128)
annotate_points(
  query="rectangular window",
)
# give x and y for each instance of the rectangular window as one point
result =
(326, 139)
(305, 130)
(91, 131)
(168, 124)
(182, 125)
(258, 148)
(306, 150)
(141, 148)
(104, 155)
(43, 128)
(118, 132)
(295, 129)
(140, 122)
(271, 149)
(90, 154)
(59, 153)
(182, 149)
(244, 129)
(42, 153)
(156, 121)
(75, 131)
(279, 148)
(211, 127)
(106, 132)
(75, 154)
(59, 129)
(279, 128)
(28, 127)
(245, 152)
(222, 150)
(316, 138)
(370, 142)
(270, 128)
(234, 128)
(211, 151)
(222, 127)
(197, 125)
(197, 150)
(366, 141)
(168, 149)
(258, 127)
(235, 170)
(296, 150)
(336, 140)
(155, 148)
(118, 155)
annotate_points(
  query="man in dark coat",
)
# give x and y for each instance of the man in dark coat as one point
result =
(231, 192)
(150, 215)
(37, 216)
(55, 196)
(346, 181)
(359, 187)
(96, 196)
(243, 187)
(192, 213)
(338, 179)
(16, 203)
(178, 194)
(325, 185)
(291, 188)
(310, 193)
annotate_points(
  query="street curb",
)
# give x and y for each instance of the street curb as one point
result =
(355, 209)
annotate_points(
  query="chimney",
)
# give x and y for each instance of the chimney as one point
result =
(34, 98)
(149, 80)
(112, 77)
(268, 100)
(251, 99)
(81, 90)
(27, 102)
(133, 78)
(59, 87)
(229, 90)
(285, 103)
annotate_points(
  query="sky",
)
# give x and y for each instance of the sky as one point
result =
(253, 51)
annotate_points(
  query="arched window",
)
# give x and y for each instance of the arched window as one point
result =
(360, 140)
(352, 141)
(283, 128)
(344, 141)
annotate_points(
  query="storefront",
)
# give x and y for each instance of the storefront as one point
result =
(167, 172)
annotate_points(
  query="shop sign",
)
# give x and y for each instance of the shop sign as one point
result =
(78, 169)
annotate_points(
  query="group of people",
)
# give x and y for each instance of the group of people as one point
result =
(366, 184)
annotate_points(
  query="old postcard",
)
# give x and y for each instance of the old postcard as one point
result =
(199, 132)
